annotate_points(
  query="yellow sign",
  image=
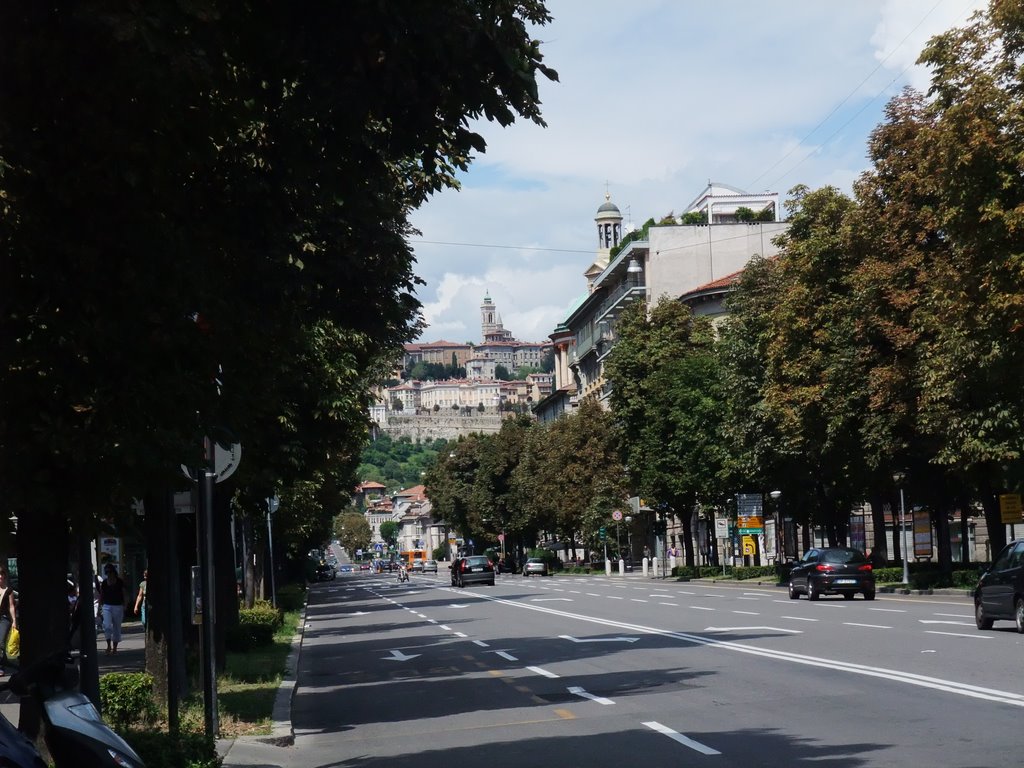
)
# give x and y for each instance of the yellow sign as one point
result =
(749, 548)
(1010, 508)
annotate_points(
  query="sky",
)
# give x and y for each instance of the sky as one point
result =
(655, 98)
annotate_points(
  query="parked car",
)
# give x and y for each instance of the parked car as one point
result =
(324, 572)
(832, 571)
(474, 569)
(535, 566)
(1000, 591)
(430, 566)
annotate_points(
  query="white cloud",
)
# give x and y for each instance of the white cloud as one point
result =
(655, 98)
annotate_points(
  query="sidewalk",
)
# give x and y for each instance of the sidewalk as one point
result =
(130, 657)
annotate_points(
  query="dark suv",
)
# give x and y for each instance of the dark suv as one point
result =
(1000, 590)
(830, 571)
(474, 569)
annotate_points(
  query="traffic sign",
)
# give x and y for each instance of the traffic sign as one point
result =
(1010, 508)
(616, 515)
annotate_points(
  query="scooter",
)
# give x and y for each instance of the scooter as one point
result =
(403, 575)
(74, 733)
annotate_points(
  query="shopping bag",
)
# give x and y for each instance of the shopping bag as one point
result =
(13, 643)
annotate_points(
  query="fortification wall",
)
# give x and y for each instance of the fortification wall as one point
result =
(425, 428)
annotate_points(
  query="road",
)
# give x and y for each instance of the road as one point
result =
(596, 671)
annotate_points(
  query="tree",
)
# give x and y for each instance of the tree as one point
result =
(353, 531)
(278, 137)
(501, 373)
(389, 532)
(668, 407)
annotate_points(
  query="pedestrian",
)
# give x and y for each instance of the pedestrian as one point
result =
(113, 601)
(8, 615)
(140, 599)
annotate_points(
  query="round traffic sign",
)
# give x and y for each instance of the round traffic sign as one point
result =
(616, 515)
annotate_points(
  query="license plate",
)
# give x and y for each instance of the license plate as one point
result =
(846, 581)
(478, 568)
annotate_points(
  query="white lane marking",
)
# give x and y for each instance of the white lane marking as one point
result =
(710, 595)
(583, 694)
(459, 605)
(748, 613)
(507, 656)
(892, 610)
(834, 665)
(671, 605)
(751, 629)
(399, 656)
(748, 598)
(941, 621)
(543, 672)
(481, 643)
(869, 626)
(800, 618)
(684, 592)
(460, 634)
(551, 600)
(686, 741)
(599, 639)
(636, 600)
(592, 594)
(954, 615)
(959, 634)
(762, 594)
(432, 621)
(702, 608)
(615, 597)
(446, 628)
(662, 596)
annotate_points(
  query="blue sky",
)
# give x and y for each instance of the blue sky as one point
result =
(655, 98)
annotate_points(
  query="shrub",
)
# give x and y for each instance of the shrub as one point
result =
(127, 698)
(161, 750)
(291, 597)
(256, 626)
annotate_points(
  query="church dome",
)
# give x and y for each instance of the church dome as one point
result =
(608, 209)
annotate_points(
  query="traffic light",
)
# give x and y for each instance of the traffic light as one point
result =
(602, 533)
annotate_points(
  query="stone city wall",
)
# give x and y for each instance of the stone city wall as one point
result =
(425, 428)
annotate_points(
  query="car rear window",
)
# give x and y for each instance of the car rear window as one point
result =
(842, 556)
(477, 560)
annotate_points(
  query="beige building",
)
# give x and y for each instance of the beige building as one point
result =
(670, 260)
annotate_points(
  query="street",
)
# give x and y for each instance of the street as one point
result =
(596, 671)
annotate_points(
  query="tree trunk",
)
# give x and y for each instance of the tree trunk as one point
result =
(225, 582)
(42, 606)
(879, 547)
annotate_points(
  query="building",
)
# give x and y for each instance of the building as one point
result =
(667, 260)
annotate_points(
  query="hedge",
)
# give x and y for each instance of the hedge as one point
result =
(256, 626)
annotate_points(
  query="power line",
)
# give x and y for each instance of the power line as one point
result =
(842, 102)
(509, 247)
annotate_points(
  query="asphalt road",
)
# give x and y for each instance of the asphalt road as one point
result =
(594, 671)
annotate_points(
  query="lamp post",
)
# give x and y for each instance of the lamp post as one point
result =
(272, 504)
(628, 519)
(776, 495)
(899, 477)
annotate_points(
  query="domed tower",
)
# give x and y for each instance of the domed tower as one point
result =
(609, 225)
(609, 233)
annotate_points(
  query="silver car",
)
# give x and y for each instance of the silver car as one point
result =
(430, 566)
(535, 567)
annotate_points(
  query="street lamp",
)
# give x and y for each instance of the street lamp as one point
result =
(776, 495)
(629, 535)
(899, 477)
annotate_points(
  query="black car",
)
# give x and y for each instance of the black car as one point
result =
(1000, 590)
(474, 569)
(832, 571)
(325, 572)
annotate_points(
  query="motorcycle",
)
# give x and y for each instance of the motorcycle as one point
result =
(74, 733)
(403, 574)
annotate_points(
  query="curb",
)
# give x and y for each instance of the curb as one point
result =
(282, 733)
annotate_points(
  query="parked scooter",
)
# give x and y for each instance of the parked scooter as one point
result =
(74, 733)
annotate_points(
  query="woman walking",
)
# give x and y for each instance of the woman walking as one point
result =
(113, 601)
(8, 615)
